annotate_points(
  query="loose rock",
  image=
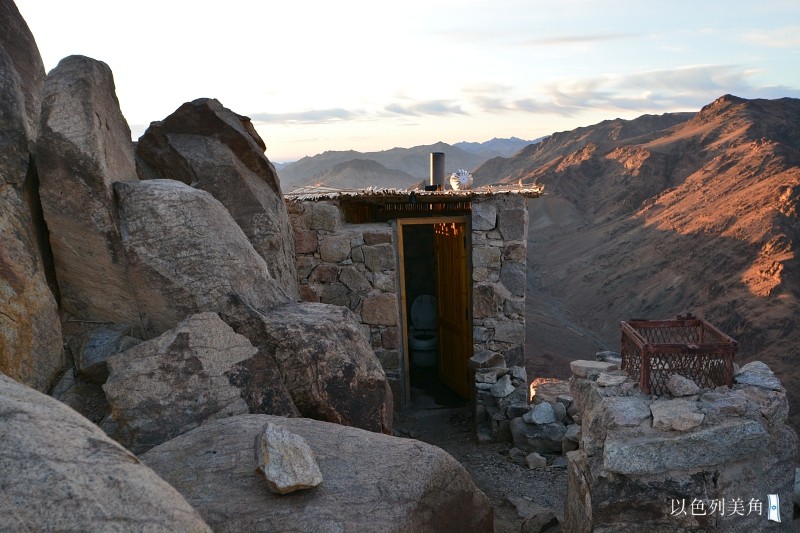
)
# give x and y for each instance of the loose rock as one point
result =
(542, 413)
(678, 415)
(759, 375)
(679, 386)
(503, 387)
(534, 460)
(610, 379)
(583, 368)
(285, 461)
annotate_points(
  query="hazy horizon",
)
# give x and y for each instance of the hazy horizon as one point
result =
(316, 76)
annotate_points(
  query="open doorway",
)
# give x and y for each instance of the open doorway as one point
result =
(436, 296)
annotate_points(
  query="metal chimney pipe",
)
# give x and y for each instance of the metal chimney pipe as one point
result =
(437, 169)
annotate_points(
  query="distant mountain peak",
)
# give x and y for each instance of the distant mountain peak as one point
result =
(406, 165)
(496, 147)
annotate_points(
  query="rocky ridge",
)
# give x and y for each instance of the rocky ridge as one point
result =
(658, 216)
(149, 306)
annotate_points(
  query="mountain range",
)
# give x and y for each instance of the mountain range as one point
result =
(397, 167)
(663, 215)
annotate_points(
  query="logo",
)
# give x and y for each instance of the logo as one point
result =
(774, 511)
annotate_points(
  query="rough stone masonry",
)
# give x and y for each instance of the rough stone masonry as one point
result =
(692, 460)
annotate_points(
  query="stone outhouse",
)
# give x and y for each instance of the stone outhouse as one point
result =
(421, 267)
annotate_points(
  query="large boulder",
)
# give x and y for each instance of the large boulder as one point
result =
(327, 364)
(21, 83)
(187, 255)
(84, 147)
(61, 473)
(372, 482)
(169, 385)
(208, 146)
(30, 332)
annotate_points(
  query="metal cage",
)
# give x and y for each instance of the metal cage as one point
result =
(654, 350)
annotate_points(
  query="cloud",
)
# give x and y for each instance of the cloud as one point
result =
(313, 116)
(578, 39)
(490, 103)
(654, 91)
(788, 37)
(426, 107)
(690, 86)
(543, 106)
(486, 87)
(663, 90)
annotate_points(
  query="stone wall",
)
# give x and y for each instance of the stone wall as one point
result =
(499, 250)
(692, 460)
(353, 265)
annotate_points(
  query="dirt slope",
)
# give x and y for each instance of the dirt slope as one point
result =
(662, 215)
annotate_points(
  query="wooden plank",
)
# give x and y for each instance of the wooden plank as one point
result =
(453, 283)
(405, 401)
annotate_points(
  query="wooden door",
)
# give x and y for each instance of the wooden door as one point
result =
(453, 298)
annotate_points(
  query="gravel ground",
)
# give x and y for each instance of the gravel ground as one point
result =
(451, 428)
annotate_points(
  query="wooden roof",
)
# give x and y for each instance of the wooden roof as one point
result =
(315, 193)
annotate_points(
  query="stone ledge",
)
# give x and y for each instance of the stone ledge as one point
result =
(727, 442)
(583, 368)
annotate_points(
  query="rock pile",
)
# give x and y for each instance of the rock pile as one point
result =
(162, 250)
(501, 395)
(179, 311)
(542, 429)
(694, 460)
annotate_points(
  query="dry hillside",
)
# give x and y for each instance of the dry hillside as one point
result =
(661, 215)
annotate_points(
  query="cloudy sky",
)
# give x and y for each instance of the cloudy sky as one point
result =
(370, 75)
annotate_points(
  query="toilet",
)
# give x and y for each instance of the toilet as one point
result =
(423, 337)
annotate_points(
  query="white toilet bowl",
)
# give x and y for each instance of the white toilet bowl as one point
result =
(423, 337)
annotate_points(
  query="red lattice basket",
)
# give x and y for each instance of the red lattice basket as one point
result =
(653, 350)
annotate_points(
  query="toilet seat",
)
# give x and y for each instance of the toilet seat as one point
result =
(423, 336)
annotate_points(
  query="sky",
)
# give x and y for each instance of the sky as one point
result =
(370, 75)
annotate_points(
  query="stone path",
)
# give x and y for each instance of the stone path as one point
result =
(441, 420)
